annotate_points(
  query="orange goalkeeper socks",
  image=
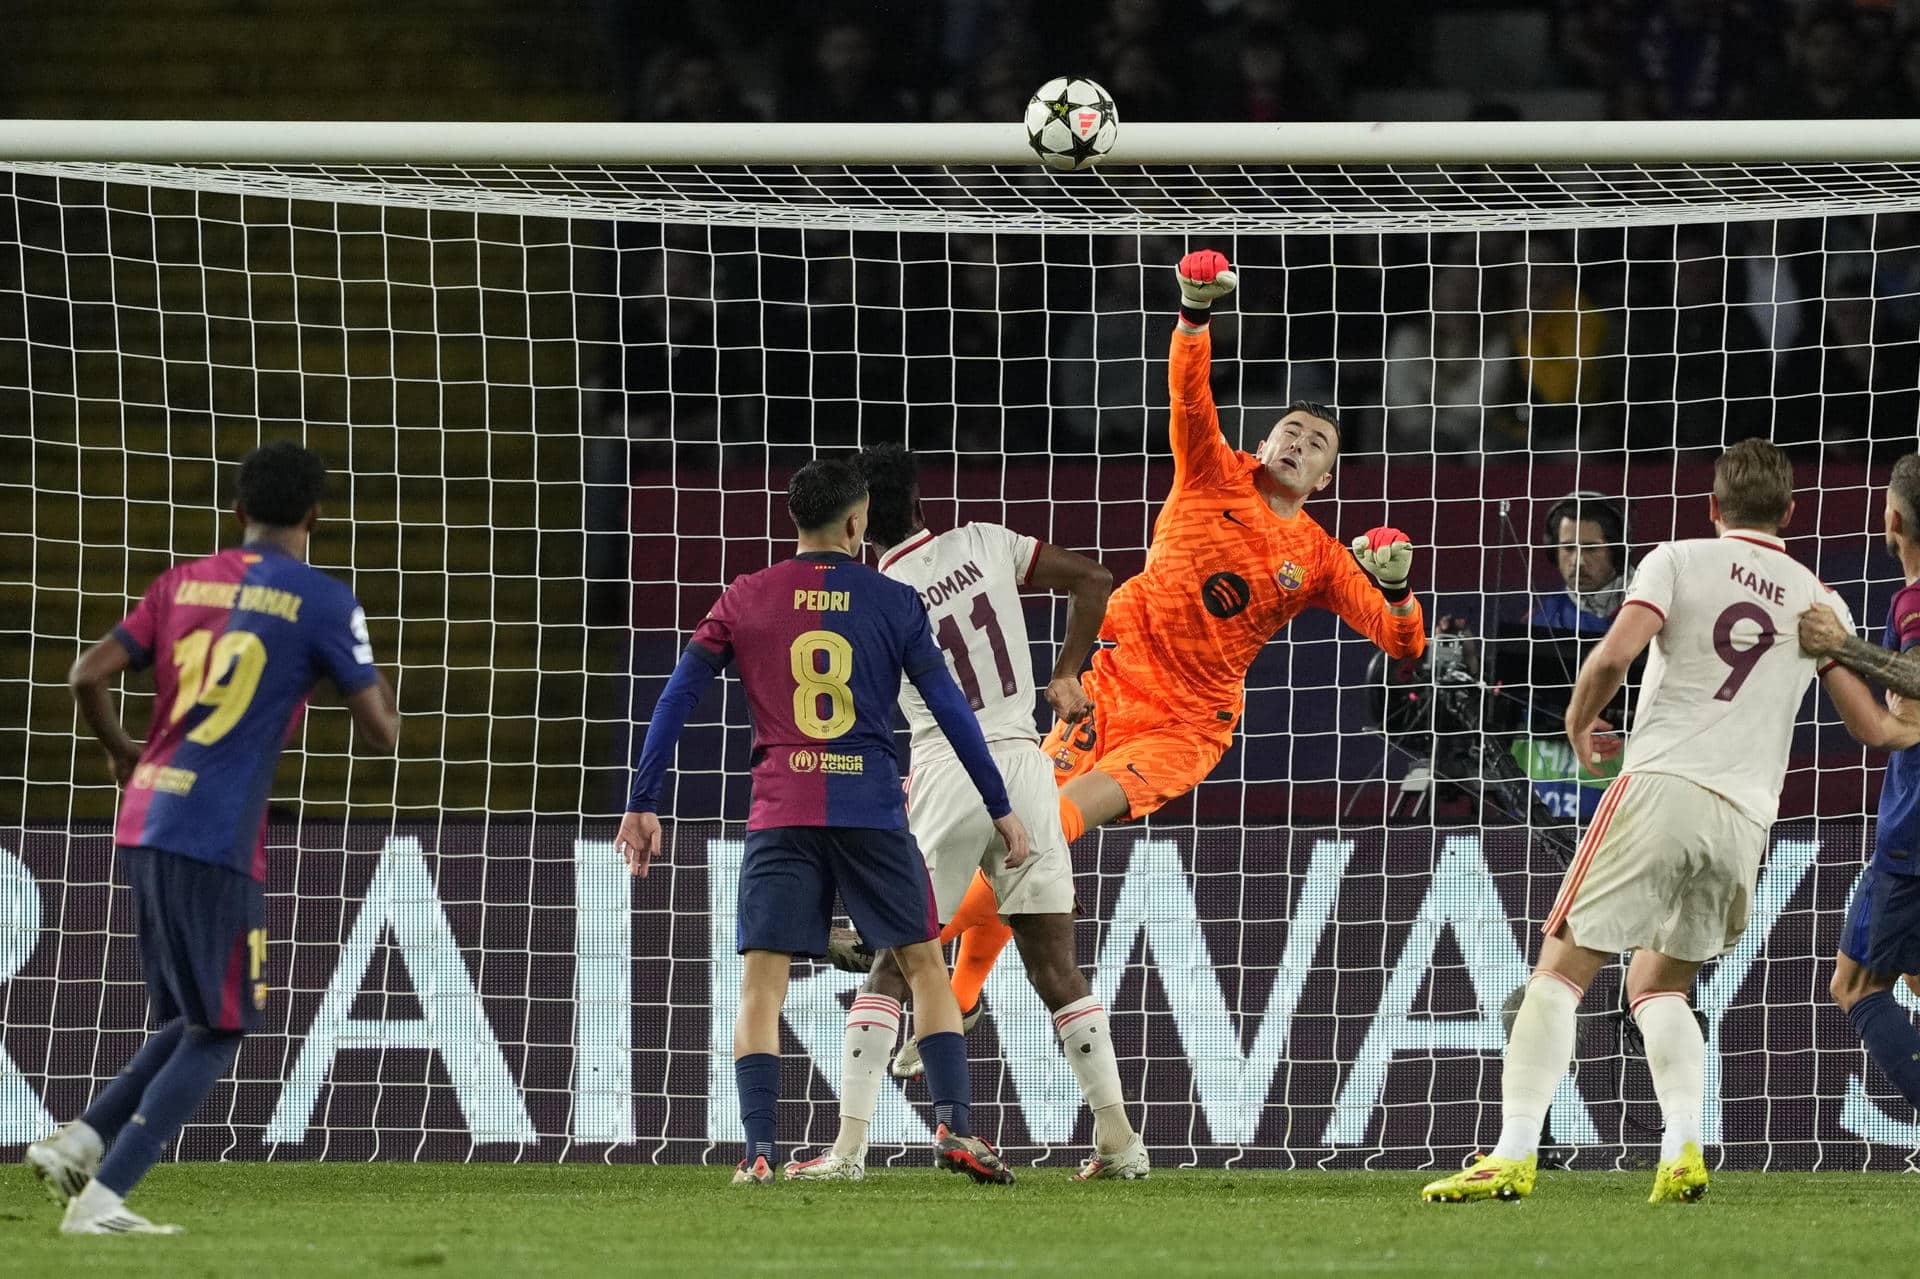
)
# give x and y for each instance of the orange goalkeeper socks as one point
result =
(982, 938)
(980, 948)
(1072, 821)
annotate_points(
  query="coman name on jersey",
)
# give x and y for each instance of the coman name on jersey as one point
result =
(969, 578)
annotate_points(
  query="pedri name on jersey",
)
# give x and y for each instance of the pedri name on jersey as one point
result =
(1772, 592)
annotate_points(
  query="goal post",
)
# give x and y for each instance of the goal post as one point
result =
(560, 374)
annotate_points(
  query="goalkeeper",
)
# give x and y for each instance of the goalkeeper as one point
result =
(1234, 558)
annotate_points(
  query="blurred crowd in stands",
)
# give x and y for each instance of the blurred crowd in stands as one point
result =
(1276, 60)
(1606, 339)
(1602, 340)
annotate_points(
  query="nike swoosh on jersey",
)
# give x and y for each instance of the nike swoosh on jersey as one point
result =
(1231, 518)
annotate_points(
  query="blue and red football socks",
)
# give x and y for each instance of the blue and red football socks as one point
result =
(757, 1076)
(1891, 1040)
(944, 1057)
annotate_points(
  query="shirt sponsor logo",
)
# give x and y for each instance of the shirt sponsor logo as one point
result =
(168, 781)
(1225, 595)
(1292, 576)
(804, 761)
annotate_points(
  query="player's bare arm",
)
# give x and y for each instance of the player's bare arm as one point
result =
(1872, 725)
(90, 681)
(375, 716)
(1823, 634)
(1601, 676)
(1088, 584)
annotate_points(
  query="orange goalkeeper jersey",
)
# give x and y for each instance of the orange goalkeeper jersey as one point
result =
(1224, 572)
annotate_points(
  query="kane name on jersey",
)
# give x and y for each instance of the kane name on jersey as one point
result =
(1726, 674)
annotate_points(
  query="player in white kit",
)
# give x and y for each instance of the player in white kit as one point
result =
(1667, 868)
(970, 579)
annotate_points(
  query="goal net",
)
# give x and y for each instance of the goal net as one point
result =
(560, 402)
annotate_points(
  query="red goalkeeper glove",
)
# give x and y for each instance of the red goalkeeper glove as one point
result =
(1205, 276)
(1387, 553)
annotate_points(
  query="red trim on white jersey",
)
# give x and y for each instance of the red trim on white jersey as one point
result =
(913, 543)
(1563, 904)
(1026, 578)
(1643, 604)
(1759, 539)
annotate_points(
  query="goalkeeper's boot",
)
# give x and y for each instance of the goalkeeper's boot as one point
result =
(832, 1166)
(66, 1161)
(98, 1211)
(1681, 1180)
(972, 1156)
(1485, 1178)
(906, 1062)
(847, 952)
(753, 1172)
(1129, 1163)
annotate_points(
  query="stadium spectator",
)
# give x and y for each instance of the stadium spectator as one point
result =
(1563, 335)
(1697, 369)
(692, 84)
(1907, 72)
(1696, 59)
(1268, 85)
(1829, 72)
(1138, 74)
(843, 80)
(1450, 378)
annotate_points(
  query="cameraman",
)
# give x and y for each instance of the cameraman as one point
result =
(1587, 537)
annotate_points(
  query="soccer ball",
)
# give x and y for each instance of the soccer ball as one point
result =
(1071, 122)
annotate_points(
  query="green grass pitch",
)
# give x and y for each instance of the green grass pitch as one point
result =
(286, 1220)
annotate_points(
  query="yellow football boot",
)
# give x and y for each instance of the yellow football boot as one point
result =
(1485, 1178)
(1682, 1180)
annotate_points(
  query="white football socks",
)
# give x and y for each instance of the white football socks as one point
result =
(1539, 1050)
(1088, 1044)
(873, 1025)
(82, 1142)
(1677, 1057)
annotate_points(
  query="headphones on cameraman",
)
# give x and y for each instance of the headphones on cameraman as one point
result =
(1610, 513)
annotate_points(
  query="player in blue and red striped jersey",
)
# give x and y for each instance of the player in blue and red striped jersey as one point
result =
(1881, 940)
(820, 642)
(238, 641)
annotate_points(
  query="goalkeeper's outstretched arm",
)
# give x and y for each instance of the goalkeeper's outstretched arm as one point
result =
(1194, 424)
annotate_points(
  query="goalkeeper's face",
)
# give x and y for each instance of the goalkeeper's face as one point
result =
(1299, 453)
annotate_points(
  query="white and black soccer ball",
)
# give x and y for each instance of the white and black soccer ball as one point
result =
(1071, 122)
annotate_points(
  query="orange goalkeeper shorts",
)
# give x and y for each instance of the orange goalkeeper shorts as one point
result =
(1154, 752)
